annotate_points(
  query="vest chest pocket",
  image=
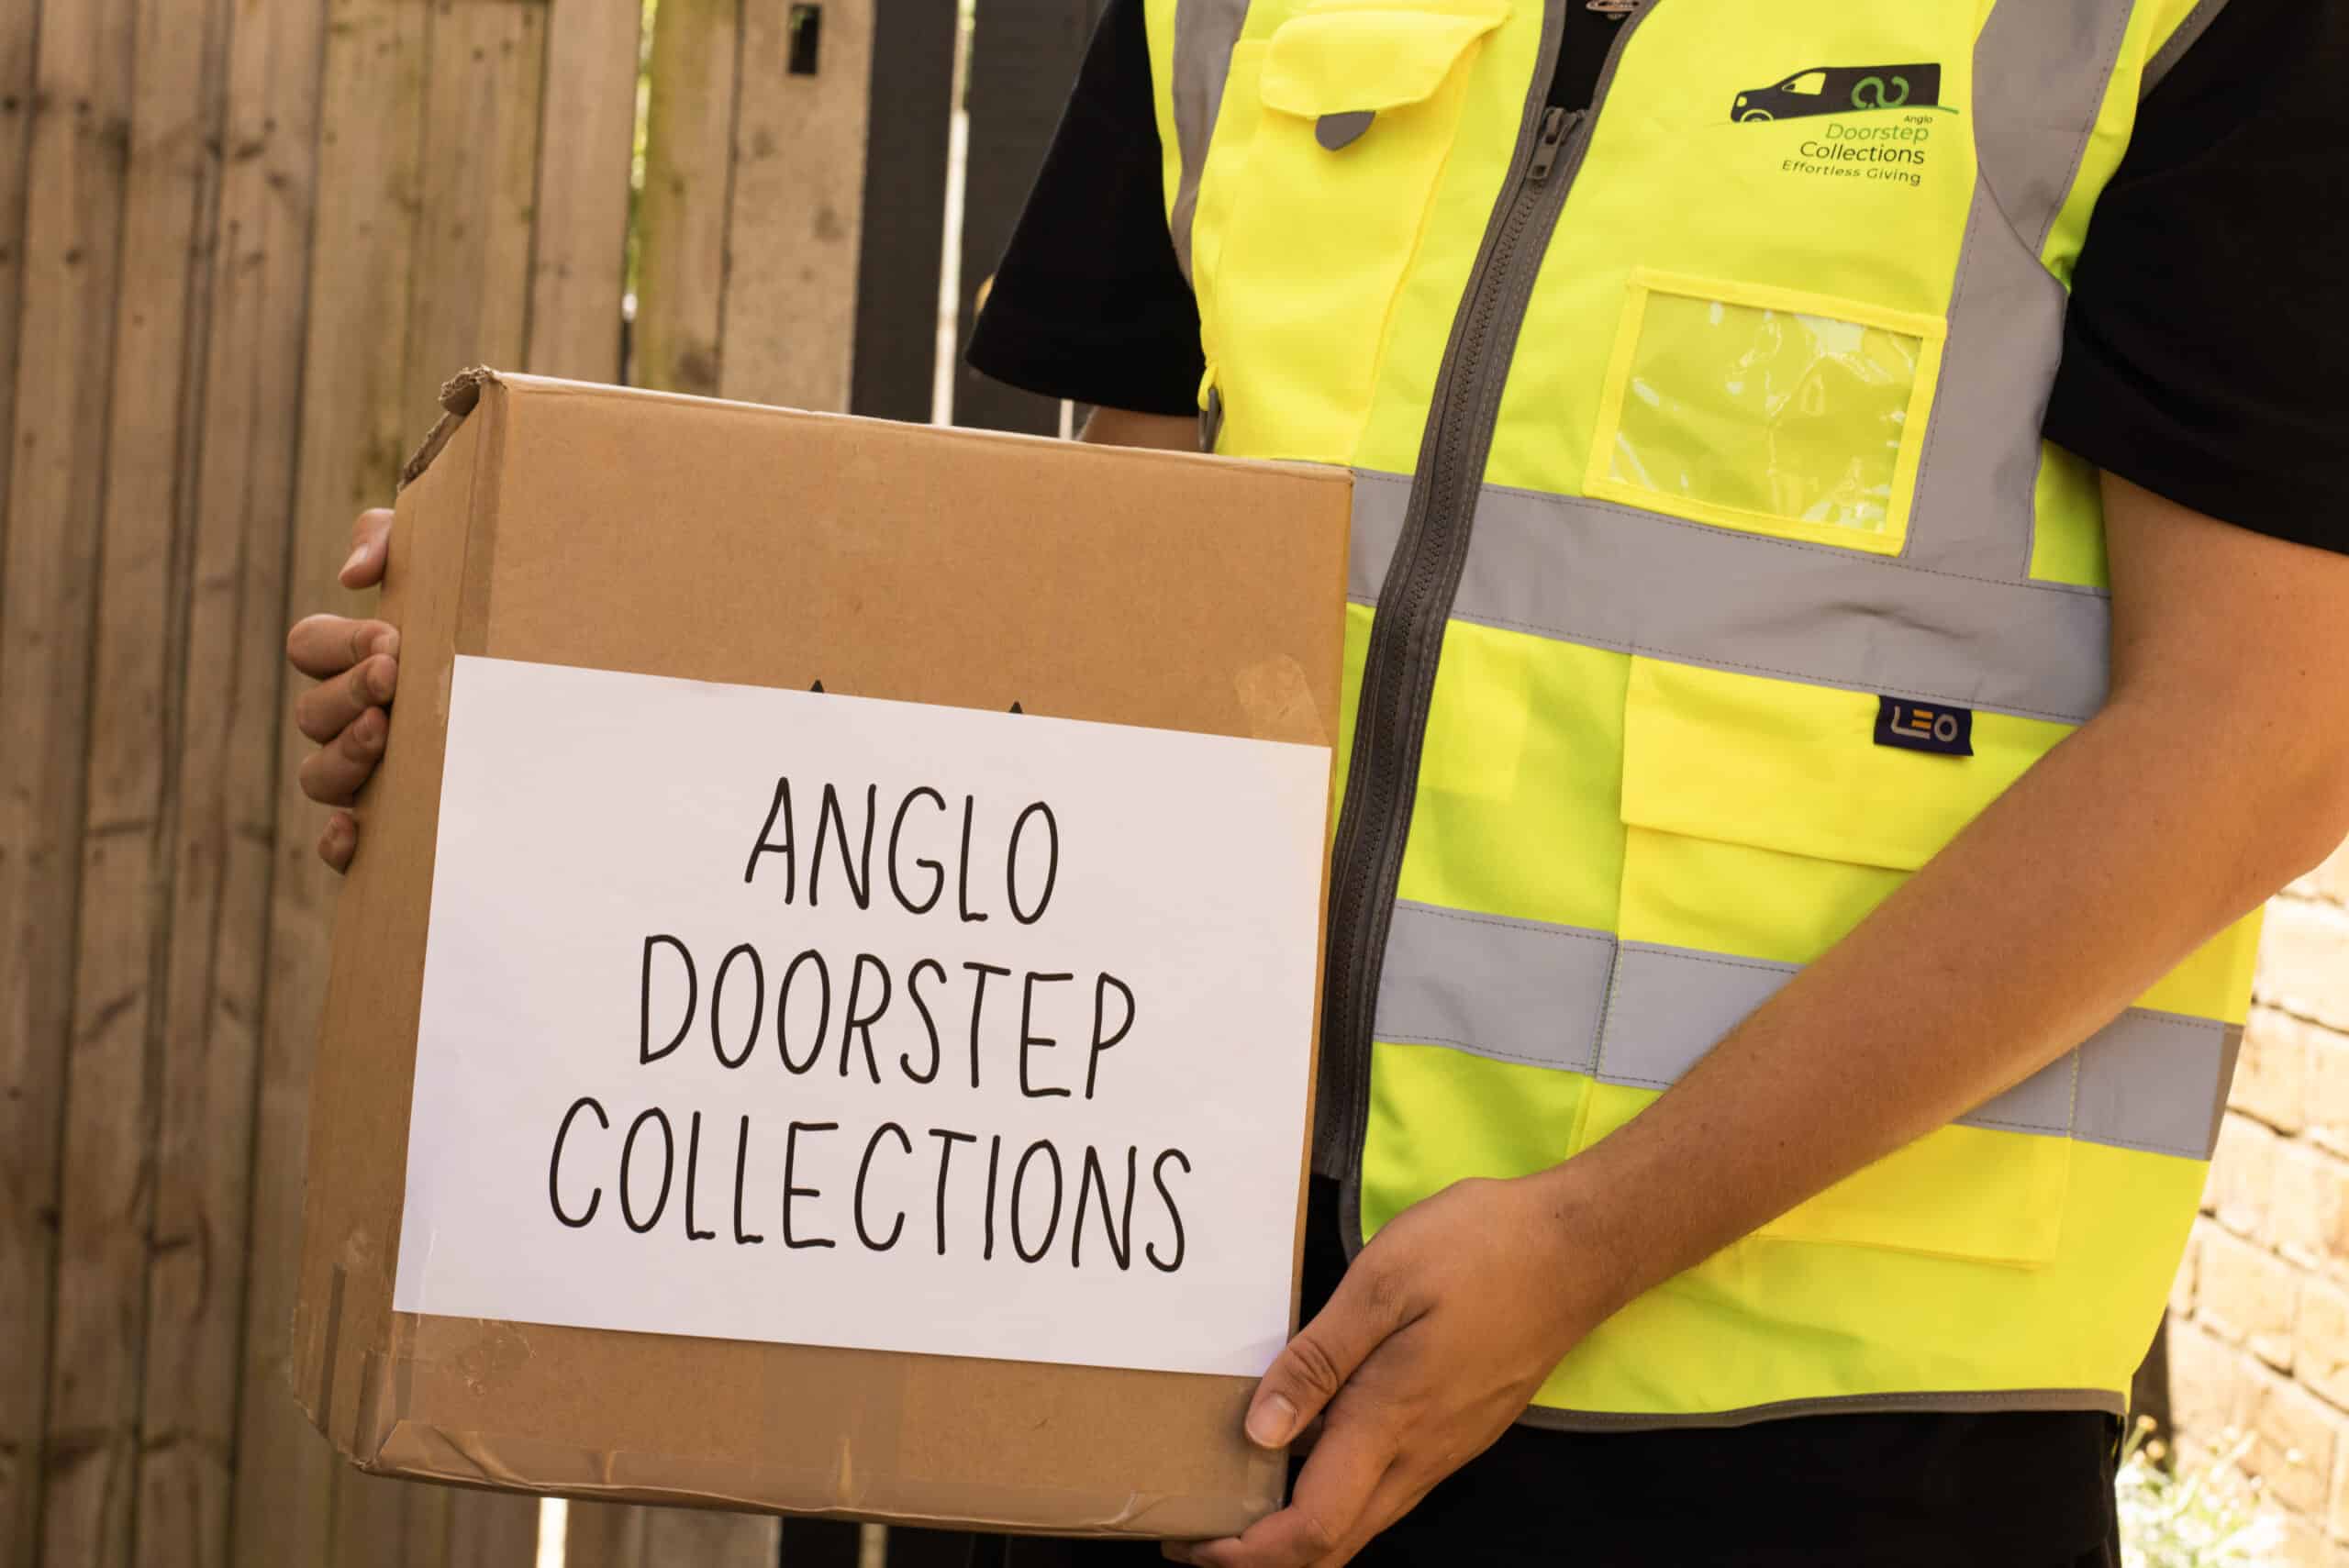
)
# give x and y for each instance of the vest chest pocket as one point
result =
(1357, 105)
(1766, 410)
(1762, 822)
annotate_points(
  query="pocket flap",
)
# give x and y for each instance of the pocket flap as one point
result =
(1365, 57)
(1796, 768)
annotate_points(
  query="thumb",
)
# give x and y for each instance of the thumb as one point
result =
(1315, 1364)
(369, 548)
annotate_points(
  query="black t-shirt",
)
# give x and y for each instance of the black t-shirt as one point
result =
(2206, 357)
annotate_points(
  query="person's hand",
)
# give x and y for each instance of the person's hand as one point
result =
(1436, 1340)
(356, 664)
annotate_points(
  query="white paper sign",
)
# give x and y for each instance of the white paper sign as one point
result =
(783, 1015)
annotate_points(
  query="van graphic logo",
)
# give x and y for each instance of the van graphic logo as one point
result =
(1841, 89)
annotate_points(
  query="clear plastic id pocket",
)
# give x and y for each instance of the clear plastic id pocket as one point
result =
(1767, 410)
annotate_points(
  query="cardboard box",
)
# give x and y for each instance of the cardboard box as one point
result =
(608, 529)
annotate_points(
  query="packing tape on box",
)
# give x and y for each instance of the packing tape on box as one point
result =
(857, 1473)
(419, 1451)
(1277, 698)
(860, 1476)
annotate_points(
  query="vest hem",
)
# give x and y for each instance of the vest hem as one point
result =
(1985, 1402)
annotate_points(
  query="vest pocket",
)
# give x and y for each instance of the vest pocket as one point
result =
(1762, 822)
(1766, 410)
(1357, 105)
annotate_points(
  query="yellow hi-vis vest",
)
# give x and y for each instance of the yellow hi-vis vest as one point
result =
(1698, 435)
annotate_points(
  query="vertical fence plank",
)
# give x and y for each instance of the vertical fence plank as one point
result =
(380, 1523)
(585, 144)
(894, 362)
(470, 295)
(227, 790)
(490, 1529)
(351, 430)
(1024, 55)
(19, 23)
(797, 195)
(26, 1113)
(681, 225)
(604, 1534)
(691, 1538)
(608, 1535)
(73, 228)
(106, 1187)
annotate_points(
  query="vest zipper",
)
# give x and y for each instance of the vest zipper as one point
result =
(1415, 603)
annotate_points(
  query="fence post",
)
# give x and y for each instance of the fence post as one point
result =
(894, 368)
(797, 195)
(586, 141)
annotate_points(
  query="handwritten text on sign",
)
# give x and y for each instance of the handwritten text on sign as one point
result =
(797, 1017)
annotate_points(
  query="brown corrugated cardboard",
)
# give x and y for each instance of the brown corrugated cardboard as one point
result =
(568, 524)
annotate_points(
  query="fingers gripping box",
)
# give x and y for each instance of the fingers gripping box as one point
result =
(822, 1016)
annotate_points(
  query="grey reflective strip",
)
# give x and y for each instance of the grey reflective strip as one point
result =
(2226, 1078)
(1671, 1006)
(2157, 1081)
(2147, 1080)
(2041, 71)
(1976, 508)
(1641, 1015)
(2174, 48)
(1205, 32)
(2104, 1399)
(1617, 577)
(1515, 990)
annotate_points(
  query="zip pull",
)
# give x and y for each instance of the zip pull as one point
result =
(1557, 124)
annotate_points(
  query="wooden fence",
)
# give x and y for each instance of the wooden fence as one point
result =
(241, 241)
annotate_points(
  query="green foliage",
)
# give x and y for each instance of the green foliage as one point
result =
(2206, 1518)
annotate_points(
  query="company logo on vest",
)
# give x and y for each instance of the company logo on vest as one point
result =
(1887, 147)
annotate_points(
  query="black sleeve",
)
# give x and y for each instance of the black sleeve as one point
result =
(2206, 357)
(1088, 303)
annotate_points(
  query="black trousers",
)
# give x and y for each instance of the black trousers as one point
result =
(1497, 1513)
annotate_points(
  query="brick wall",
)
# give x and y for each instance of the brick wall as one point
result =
(2259, 1319)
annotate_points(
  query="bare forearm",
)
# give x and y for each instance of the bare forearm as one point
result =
(1124, 427)
(2197, 792)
